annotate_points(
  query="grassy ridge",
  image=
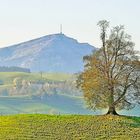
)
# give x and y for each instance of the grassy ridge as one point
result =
(8, 77)
(45, 127)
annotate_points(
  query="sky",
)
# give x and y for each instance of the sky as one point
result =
(22, 20)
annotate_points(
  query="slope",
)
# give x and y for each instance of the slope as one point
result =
(43, 127)
(51, 53)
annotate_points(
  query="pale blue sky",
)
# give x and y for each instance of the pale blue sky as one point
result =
(22, 20)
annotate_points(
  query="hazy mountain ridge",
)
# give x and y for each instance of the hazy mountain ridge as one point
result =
(53, 53)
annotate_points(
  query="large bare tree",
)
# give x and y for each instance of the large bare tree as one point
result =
(111, 78)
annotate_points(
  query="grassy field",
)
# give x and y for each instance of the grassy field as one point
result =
(57, 127)
(7, 77)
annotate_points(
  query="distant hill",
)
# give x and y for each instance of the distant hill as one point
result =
(51, 53)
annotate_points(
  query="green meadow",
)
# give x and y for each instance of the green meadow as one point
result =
(7, 77)
(69, 127)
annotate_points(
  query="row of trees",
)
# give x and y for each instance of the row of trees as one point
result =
(111, 78)
(40, 88)
(13, 69)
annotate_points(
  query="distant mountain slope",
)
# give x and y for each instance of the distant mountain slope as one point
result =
(51, 53)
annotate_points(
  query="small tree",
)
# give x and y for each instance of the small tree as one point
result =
(111, 78)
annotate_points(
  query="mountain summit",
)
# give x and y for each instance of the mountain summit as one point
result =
(51, 53)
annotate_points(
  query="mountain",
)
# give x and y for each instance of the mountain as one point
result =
(51, 53)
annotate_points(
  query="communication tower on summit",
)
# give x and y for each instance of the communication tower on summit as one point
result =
(60, 28)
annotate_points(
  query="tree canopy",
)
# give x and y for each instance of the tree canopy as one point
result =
(111, 77)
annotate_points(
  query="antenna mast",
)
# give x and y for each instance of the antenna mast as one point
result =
(60, 28)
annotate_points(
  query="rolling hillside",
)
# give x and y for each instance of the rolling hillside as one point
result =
(71, 127)
(60, 98)
(14, 101)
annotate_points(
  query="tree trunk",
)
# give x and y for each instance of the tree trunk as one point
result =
(112, 111)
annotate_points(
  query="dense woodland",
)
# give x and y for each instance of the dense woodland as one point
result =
(39, 88)
(13, 69)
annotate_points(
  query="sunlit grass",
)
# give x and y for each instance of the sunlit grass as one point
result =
(69, 127)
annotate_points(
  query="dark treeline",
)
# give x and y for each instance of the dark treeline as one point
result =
(13, 69)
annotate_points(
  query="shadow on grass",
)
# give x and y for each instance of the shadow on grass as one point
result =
(136, 121)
